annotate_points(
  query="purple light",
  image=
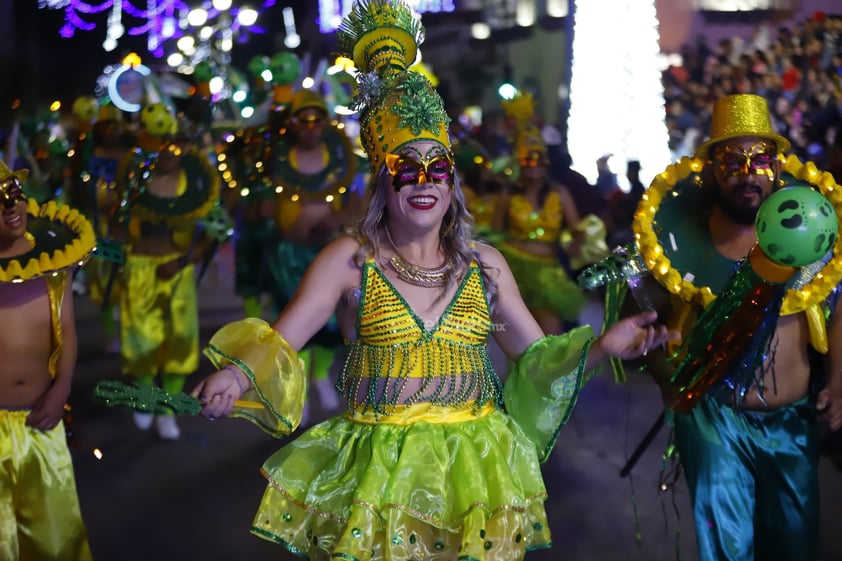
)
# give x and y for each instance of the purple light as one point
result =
(150, 21)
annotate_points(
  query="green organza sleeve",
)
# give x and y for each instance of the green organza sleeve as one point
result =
(544, 384)
(276, 372)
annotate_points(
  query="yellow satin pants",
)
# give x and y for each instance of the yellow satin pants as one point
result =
(39, 508)
(159, 319)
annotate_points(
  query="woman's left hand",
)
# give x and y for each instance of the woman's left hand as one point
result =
(636, 335)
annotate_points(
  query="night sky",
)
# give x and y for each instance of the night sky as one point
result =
(45, 66)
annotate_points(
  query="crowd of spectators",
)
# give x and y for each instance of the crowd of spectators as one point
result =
(796, 67)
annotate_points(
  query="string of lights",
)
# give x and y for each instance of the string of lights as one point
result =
(163, 22)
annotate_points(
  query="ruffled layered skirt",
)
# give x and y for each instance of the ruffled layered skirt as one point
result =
(351, 490)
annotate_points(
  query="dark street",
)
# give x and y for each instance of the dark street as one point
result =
(194, 499)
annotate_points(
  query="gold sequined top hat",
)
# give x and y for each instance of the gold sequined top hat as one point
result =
(528, 140)
(397, 106)
(306, 99)
(740, 115)
(6, 173)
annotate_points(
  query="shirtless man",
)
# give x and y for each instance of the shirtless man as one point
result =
(750, 462)
(39, 507)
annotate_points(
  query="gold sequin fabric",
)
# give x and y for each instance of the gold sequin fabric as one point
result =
(399, 360)
(528, 223)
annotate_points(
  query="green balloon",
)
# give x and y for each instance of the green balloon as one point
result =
(285, 68)
(258, 64)
(796, 226)
(203, 72)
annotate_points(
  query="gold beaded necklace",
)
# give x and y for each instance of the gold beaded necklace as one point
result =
(413, 274)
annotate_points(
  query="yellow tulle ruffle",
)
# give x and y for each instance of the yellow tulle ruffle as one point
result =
(274, 367)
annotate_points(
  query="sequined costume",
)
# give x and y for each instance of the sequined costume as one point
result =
(543, 282)
(424, 462)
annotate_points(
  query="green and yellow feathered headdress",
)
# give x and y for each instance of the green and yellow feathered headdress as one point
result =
(397, 106)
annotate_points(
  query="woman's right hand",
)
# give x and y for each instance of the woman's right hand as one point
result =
(218, 391)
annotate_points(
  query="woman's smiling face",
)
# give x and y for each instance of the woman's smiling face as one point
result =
(422, 181)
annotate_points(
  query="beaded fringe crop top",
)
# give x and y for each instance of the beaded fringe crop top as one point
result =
(397, 361)
(525, 223)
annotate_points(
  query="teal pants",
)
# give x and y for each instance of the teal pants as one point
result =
(753, 480)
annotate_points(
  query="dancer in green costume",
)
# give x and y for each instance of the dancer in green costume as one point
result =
(424, 463)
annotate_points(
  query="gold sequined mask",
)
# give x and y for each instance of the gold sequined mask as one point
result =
(734, 159)
(11, 192)
(407, 169)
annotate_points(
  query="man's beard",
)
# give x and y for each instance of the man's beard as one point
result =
(741, 214)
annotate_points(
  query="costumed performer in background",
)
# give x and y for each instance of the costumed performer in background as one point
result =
(98, 150)
(246, 163)
(425, 462)
(167, 186)
(313, 168)
(534, 213)
(40, 248)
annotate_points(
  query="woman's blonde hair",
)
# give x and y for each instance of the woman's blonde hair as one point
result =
(456, 234)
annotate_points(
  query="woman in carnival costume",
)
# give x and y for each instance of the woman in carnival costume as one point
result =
(534, 216)
(168, 190)
(40, 248)
(424, 463)
(737, 389)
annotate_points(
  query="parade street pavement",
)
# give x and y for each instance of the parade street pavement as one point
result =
(150, 500)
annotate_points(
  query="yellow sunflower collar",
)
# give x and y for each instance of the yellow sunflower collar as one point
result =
(650, 248)
(62, 238)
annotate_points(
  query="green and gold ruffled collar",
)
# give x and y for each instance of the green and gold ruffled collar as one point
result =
(328, 185)
(200, 196)
(62, 239)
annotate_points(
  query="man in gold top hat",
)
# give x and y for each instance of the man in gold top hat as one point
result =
(749, 452)
(425, 462)
(40, 247)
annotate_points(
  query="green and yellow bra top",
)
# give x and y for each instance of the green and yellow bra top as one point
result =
(528, 224)
(397, 362)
